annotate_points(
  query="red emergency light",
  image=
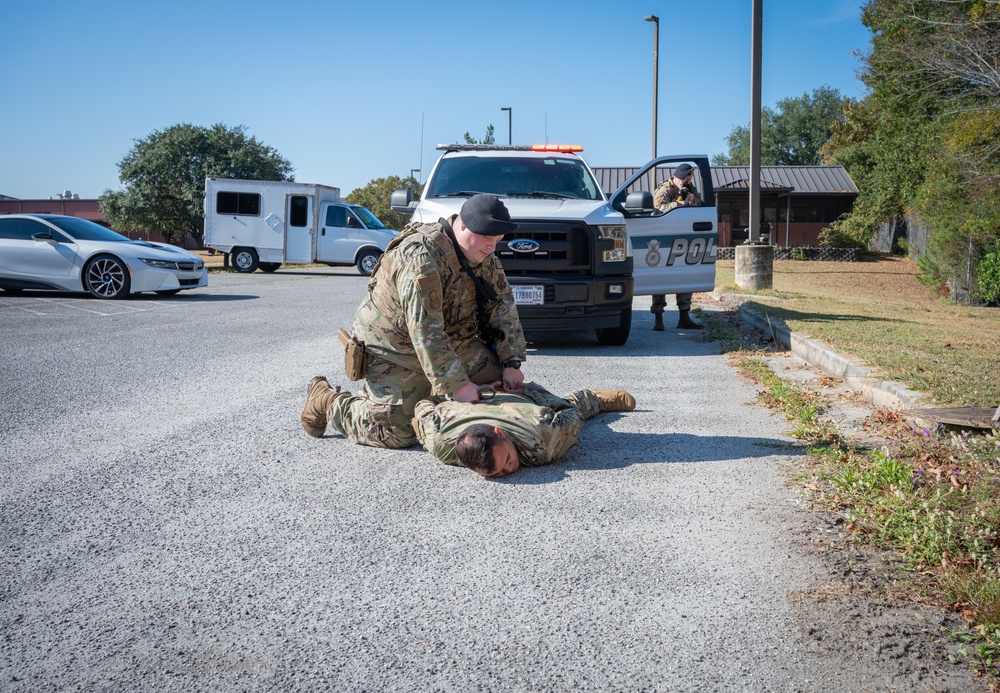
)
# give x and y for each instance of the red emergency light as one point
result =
(561, 148)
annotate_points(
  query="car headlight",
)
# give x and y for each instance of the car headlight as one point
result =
(162, 264)
(617, 232)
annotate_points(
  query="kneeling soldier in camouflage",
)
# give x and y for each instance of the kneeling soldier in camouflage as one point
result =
(497, 435)
(439, 318)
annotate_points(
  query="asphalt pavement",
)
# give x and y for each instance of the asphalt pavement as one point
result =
(167, 525)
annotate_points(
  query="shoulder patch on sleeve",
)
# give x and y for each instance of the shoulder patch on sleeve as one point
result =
(429, 286)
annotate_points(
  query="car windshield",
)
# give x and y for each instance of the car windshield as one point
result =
(371, 221)
(555, 176)
(83, 230)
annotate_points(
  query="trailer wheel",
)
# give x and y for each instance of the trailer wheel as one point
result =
(616, 336)
(245, 260)
(269, 266)
(367, 261)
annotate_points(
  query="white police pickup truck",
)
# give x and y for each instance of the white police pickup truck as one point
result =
(578, 257)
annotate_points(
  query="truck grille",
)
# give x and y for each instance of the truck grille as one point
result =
(564, 248)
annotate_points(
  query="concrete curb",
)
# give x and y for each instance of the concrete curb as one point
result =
(881, 393)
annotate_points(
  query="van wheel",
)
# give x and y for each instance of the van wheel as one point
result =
(616, 336)
(269, 266)
(367, 261)
(245, 260)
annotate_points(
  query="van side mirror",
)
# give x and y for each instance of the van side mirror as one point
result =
(639, 202)
(402, 201)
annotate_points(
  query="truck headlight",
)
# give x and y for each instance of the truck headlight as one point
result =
(616, 232)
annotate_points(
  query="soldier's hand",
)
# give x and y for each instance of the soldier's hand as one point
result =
(467, 393)
(513, 380)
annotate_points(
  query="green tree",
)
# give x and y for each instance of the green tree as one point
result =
(164, 176)
(376, 197)
(793, 134)
(488, 139)
(739, 143)
(923, 142)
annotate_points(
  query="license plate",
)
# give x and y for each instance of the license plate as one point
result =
(529, 295)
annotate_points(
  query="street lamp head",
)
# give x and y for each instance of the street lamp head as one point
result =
(652, 18)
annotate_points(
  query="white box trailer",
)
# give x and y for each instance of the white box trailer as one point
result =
(267, 223)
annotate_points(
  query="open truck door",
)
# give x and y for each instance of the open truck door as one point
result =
(673, 252)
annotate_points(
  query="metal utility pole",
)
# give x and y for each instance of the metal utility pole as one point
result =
(754, 260)
(656, 66)
(755, 60)
(510, 117)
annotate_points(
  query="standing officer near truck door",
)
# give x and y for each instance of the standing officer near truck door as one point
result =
(439, 319)
(679, 191)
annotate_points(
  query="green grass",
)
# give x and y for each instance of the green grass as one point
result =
(878, 313)
(931, 498)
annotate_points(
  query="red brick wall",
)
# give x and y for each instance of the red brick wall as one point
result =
(85, 209)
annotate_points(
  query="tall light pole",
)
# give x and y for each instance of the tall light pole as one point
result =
(656, 66)
(414, 170)
(510, 116)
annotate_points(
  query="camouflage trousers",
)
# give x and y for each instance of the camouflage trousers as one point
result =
(380, 415)
(660, 302)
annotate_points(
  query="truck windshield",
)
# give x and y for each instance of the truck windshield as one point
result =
(371, 221)
(558, 177)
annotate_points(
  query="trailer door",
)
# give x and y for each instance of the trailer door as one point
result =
(299, 231)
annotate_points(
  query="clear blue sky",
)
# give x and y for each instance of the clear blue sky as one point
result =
(349, 92)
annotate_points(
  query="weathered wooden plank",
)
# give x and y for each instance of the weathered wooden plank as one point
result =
(968, 417)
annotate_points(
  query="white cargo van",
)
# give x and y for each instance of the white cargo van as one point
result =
(266, 223)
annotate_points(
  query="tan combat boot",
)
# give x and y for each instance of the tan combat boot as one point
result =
(615, 400)
(318, 398)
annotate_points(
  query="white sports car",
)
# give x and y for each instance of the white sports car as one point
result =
(50, 251)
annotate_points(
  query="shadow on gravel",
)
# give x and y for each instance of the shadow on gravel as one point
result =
(620, 450)
(642, 341)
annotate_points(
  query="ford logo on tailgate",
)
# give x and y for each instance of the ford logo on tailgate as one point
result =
(524, 245)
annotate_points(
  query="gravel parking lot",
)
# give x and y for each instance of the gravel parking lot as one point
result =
(167, 525)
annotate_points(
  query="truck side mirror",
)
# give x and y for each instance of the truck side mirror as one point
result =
(401, 201)
(639, 202)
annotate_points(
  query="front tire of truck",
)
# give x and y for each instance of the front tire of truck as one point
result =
(367, 261)
(245, 260)
(616, 336)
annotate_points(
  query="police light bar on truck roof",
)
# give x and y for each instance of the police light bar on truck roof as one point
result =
(559, 148)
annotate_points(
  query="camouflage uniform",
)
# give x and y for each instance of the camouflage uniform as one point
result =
(541, 426)
(421, 331)
(665, 198)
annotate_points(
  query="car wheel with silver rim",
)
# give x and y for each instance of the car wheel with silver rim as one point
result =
(106, 277)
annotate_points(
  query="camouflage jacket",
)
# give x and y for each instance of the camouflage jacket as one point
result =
(421, 308)
(541, 426)
(666, 195)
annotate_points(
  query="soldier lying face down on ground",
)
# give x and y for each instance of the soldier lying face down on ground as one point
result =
(506, 429)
